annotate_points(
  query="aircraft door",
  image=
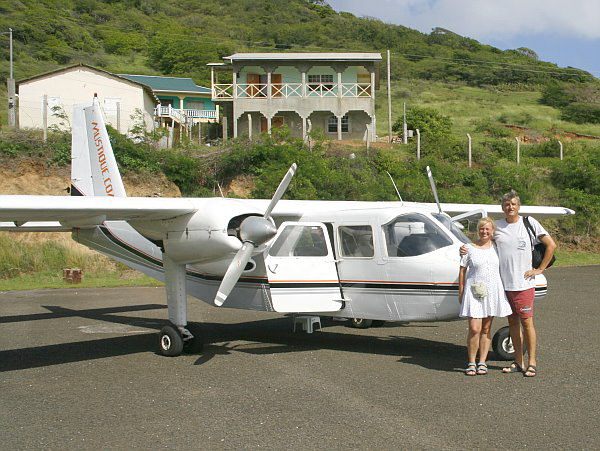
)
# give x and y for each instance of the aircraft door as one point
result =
(301, 270)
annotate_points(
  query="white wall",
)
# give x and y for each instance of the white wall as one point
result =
(78, 85)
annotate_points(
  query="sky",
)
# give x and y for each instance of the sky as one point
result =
(564, 32)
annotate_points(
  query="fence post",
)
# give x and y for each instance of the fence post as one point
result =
(469, 138)
(561, 150)
(518, 150)
(45, 117)
(418, 144)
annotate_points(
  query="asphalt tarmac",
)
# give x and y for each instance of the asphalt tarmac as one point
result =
(79, 369)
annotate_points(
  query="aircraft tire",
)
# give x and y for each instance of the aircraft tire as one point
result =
(360, 323)
(196, 344)
(502, 345)
(170, 343)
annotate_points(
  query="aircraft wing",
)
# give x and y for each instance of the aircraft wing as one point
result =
(47, 212)
(495, 211)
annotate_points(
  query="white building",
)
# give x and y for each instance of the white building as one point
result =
(126, 103)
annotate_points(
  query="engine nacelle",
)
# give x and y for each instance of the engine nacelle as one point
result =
(201, 236)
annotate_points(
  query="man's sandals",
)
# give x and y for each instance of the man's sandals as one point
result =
(514, 367)
(531, 371)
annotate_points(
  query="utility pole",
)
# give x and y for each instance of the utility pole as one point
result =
(12, 112)
(389, 93)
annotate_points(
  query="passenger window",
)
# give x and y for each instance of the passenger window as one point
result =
(300, 241)
(356, 241)
(413, 234)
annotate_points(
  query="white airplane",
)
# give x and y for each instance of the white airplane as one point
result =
(365, 261)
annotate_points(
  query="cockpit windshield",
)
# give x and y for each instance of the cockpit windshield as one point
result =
(447, 222)
(413, 234)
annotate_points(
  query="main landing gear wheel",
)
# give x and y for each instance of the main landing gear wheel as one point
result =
(170, 341)
(360, 323)
(502, 345)
(195, 343)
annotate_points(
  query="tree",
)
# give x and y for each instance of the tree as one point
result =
(429, 121)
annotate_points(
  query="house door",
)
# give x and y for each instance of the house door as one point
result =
(276, 122)
(276, 85)
(253, 85)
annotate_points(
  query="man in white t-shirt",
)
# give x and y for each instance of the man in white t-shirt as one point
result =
(518, 277)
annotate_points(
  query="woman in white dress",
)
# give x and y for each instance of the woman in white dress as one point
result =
(481, 295)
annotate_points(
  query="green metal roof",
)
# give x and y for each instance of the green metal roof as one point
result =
(168, 84)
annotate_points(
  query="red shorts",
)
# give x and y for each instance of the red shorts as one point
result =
(521, 302)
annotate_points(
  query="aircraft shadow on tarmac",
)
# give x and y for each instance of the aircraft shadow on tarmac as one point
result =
(268, 336)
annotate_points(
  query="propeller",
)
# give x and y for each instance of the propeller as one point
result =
(254, 231)
(433, 188)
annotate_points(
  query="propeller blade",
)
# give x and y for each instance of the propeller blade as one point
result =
(234, 272)
(281, 189)
(254, 231)
(433, 188)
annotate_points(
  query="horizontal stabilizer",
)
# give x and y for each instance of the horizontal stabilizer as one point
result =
(33, 227)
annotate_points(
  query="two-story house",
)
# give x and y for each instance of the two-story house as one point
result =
(334, 92)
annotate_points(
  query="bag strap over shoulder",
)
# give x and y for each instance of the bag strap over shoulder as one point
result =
(530, 230)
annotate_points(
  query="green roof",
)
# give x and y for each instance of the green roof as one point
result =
(168, 84)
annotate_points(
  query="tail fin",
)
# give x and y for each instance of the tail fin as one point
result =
(94, 170)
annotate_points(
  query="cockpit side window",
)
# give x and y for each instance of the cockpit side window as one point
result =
(300, 241)
(413, 234)
(356, 241)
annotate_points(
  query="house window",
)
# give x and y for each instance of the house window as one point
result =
(332, 124)
(314, 81)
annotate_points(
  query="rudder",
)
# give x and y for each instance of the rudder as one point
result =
(94, 170)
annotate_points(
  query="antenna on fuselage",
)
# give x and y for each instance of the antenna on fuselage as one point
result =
(433, 188)
(395, 187)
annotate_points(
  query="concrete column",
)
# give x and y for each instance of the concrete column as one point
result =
(269, 89)
(249, 126)
(303, 84)
(224, 128)
(235, 91)
(339, 84)
(269, 125)
(303, 128)
(235, 127)
(339, 127)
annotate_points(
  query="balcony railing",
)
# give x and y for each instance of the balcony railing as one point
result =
(170, 112)
(201, 114)
(185, 116)
(284, 90)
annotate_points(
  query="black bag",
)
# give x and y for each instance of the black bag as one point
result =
(539, 250)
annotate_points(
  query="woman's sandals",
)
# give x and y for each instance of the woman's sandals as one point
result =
(531, 371)
(471, 369)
